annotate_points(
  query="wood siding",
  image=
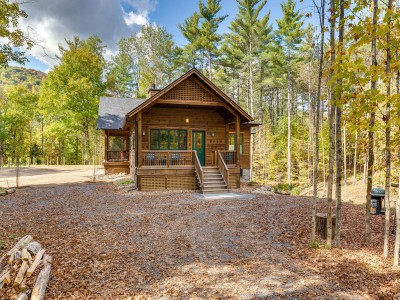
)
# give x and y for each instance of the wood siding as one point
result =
(199, 119)
(190, 90)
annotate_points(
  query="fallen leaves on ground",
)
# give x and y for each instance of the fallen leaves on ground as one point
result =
(107, 244)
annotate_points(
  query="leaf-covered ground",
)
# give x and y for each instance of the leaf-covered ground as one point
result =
(107, 244)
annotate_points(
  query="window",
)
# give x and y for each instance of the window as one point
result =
(168, 139)
(232, 142)
(117, 143)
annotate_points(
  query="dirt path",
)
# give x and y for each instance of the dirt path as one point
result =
(111, 245)
(43, 175)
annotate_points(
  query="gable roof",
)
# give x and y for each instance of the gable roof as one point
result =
(112, 111)
(205, 81)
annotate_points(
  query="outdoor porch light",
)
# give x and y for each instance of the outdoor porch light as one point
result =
(187, 120)
(212, 133)
(144, 132)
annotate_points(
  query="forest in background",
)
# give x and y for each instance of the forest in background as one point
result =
(269, 67)
(249, 63)
(317, 90)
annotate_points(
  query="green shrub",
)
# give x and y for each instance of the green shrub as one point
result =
(287, 189)
(125, 182)
(314, 245)
(252, 183)
(295, 191)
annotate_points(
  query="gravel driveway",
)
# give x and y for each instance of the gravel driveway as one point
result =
(113, 245)
(44, 175)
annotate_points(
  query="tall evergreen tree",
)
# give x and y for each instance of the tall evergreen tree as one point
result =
(209, 39)
(246, 41)
(289, 35)
(191, 31)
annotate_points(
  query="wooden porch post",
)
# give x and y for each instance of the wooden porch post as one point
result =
(237, 141)
(139, 135)
(227, 136)
(106, 146)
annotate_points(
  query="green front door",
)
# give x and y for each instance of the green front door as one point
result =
(198, 144)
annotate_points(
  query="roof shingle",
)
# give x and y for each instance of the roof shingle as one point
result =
(112, 111)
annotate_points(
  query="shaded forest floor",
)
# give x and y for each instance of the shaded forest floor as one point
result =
(111, 245)
(352, 192)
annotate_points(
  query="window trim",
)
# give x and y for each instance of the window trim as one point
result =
(241, 141)
(169, 138)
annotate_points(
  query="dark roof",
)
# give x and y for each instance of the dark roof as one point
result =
(112, 111)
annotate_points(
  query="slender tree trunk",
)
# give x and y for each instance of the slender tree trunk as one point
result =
(355, 159)
(317, 110)
(331, 129)
(310, 127)
(338, 125)
(323, 149)
(371, 157)
(209, 65)
(397, 215)
(387, 139)
(345, 155)
(289, 141)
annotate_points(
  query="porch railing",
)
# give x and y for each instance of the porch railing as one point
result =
(166, 158)
(199, 169)
(228, 156)
(116, 156)
(222, 167)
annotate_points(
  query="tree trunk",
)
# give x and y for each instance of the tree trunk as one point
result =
(331, 129)
(397, 215)
(289, 141)
(317, 110)
(387, 140)
(374, 64)
(310, 125)
(345, 155)
(355, 159)
(338, 125)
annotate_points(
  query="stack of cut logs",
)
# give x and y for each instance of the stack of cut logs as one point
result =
(25, 271)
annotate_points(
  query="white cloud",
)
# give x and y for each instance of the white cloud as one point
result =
(51, 22)
(135, 19)
(142, 6)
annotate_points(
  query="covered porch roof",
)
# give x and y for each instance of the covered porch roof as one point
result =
(221, 102)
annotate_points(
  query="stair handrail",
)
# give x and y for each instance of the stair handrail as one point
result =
(223, 168)
(199, 169)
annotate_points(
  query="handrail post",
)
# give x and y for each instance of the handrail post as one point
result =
(168, 159)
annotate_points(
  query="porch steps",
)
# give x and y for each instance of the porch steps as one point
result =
(213, 181)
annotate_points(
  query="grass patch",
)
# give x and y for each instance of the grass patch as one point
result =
(285, 188)
(252, 183)
(18, 235)
(125, 182)
(314, 245)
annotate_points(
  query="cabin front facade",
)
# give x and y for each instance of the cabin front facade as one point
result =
(189, 135)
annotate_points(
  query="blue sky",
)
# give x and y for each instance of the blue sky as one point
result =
(54, 21)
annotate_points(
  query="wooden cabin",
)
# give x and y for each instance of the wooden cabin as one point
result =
(189, 135)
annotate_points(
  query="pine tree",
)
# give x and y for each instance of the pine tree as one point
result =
(209, 39)
(191, 31)
(289, 35)
(247, 40)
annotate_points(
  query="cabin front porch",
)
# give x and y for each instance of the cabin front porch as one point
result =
(117, 157)
(182, 169)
